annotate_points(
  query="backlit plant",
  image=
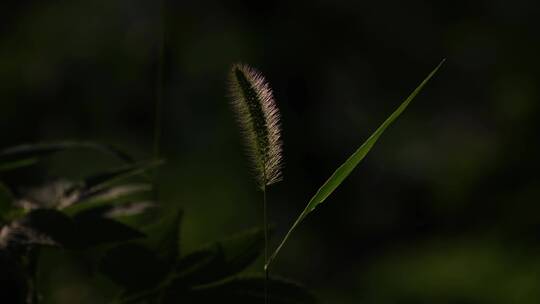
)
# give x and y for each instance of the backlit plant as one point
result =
(253, 102)
(111, 223)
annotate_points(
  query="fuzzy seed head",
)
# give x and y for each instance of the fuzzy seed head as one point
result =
(258, 116)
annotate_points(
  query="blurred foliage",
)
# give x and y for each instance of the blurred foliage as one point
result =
(143, 261)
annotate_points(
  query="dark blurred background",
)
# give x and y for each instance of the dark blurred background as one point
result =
(444, 209)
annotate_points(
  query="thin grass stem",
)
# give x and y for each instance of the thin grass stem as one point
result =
(159, 81)
(159, 94)
(265, 223)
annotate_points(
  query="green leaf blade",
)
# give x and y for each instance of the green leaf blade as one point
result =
(109, 198)
(106, 179)
(352, 162)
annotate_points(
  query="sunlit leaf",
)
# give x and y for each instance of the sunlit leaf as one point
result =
(110, 197)
(104, 180)
(348, 166)
(99, 190)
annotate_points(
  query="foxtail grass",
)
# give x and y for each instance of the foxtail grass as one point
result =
(258, 115)
(259, 119)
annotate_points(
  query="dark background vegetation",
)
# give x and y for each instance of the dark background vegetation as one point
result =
(444, 210)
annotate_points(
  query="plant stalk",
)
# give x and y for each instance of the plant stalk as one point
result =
(293, 228)
(159, 80)
(265, 223)
(159, 85)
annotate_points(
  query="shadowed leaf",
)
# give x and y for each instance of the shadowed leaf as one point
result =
(52, 224)
(141, 265)
(242, 290)
(133, 267)
(13, 284)
(164, 236)
(221, 259)
(95, 230)
(48, 227)
(6, 203)
(28, 154)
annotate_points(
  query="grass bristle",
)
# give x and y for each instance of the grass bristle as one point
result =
(259, 119)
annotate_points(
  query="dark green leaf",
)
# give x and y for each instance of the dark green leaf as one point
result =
(13, 284)
(152, 257)
(197, 264)
(28, 154)
(220, 260)
(242, 290)
(133, 267)
(6, 203)
(164, 236)
(210, 264)
(49, 223)
(104, 180)
(94, 230)
(12, 165)
(12, 215)
(346, 168)
(77, 233)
